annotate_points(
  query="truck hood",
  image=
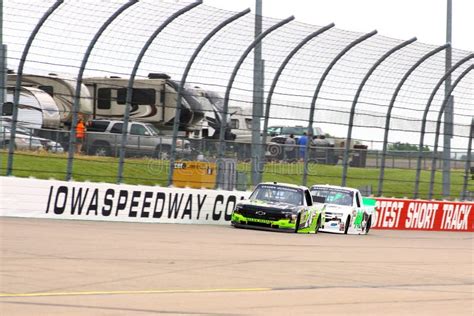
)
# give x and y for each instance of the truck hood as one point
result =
(268, 204)
(333, 208)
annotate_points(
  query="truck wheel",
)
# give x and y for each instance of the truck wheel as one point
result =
(318, 224)
(101, 149)
(348, 223)
(163, 152)
(297, 223)
(369, 223)
(274, 150)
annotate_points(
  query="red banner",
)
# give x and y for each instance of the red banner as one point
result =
(423, 215)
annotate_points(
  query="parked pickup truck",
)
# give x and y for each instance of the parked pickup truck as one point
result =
(346, 210)
(104, 137)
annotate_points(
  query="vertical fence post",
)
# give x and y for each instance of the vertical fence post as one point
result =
(3, 76)
(389, 112)
(77, 95)
(183, 82)
(277, 77)
(320, 84)
(448, 116)
(442, 111)
(468, 162)
(19, 75)
(131, 80)
(3, 67)
(231, 81)
(423, 122)
(345, 161)
(257, 98)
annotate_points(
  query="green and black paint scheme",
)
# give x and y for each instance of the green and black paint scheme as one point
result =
(279, 206)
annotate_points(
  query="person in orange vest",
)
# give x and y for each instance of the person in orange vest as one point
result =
(80, 133)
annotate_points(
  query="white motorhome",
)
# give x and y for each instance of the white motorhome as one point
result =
(239, 118)
(62, 91)
(241, 121)
(153, 100)
(36, 109)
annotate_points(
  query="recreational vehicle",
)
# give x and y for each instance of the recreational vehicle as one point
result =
(36, 109)
(241, 121)
(153, 100)
(61, 90)
(239, 117)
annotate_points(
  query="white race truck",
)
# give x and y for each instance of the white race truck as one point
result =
(347, 211)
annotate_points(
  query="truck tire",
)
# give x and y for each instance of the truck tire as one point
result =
(297, 225)
(274, 150)
(318, 224)
(348, 223)
(101, 149)
(369, 223)
(163, 152)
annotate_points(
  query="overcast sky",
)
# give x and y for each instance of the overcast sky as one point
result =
(403, 19)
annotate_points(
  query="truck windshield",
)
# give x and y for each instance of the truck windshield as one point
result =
(273, 193)
(153, 130)
(333, 196)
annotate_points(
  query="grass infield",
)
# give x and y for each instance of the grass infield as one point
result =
(147, 171)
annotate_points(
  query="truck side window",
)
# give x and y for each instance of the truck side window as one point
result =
(138, 129)
(98, 126)
(117, 128)
(358, 199)
(309, 200)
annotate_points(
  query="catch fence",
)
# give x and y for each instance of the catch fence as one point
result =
(377, 111)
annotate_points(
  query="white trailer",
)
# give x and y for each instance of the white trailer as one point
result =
(62, 90)
(36, 109)
(239, 116)
(153, 100)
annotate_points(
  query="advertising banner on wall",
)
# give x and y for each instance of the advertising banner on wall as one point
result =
(33, 198)
(110, 202)
(423, 215)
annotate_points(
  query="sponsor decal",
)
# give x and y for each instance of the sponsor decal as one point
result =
(279, 188)
(341, 227)
(315, 189)
(258, 220)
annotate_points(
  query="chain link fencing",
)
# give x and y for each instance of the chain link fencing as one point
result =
(364, 110)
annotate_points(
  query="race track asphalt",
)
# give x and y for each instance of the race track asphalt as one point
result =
(59, 267)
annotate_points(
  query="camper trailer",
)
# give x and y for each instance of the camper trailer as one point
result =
(61, 90)
(153, 100)
(241, 121)
(36, 109)
(239, 117)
